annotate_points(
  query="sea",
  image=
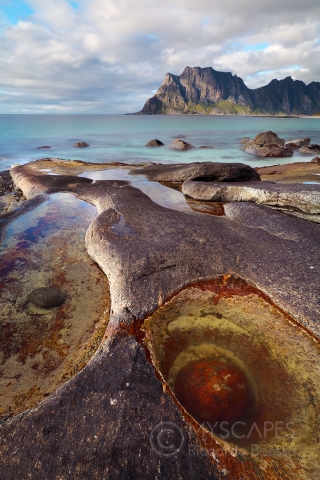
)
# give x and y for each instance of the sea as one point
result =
(122, 138)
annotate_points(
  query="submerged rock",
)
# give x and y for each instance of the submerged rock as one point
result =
(206, 146)
(46, 297)
(81, 144)
(154, 143)
(268, 144)
(44, 146)
(299, 142)
(310, 149)
(178, 144)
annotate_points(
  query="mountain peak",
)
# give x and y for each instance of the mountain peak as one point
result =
(208, 91)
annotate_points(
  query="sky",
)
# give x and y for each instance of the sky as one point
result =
(110, 56)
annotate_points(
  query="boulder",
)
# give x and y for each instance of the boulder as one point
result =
(310, 149)
(299, 142)
(315, 160)
(46, 297)
(199, 171)
(178, 144)
(154, 143)
(267, 144)
(244, 140)
(81, 144)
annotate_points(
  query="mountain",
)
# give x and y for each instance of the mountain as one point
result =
(206, 91)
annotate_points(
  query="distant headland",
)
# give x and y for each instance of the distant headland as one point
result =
(206, 91)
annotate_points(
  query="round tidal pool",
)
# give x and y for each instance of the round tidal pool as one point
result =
(242, 369)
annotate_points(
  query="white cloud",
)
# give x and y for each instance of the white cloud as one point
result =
(109, 56)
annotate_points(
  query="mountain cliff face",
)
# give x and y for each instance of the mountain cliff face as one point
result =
(206, 91)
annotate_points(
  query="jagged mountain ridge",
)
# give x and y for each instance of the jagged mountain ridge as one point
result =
(207, 91)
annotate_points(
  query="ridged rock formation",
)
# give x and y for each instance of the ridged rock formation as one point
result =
(206, 91)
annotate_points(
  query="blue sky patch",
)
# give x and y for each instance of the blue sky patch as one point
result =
(256, 47)
(15, 10)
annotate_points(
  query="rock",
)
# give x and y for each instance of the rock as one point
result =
(46, 297)
(315, 160)
(300, 142)
(204, 171)
(244, 140)
(178, 144)
(267, 144)
(44, 146)
(268, 138)
(207, 91)
(310, 149)
(206, 146)
(118, 395)
(213, 391)
(154, 143)
(81, 144)
(305, 198)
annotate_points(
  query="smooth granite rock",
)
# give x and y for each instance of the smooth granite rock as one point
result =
(310, 149)
(204, 171)
(46, 297)
(305, 198)
(267, 144)
(299, 142)
(178, 144)
(103, 423)
(154, 143)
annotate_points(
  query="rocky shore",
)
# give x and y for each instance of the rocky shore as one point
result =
(105, 420)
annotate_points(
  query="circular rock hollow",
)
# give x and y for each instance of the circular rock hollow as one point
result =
(244, 370)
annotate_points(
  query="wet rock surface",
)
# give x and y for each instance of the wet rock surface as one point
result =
(154, 143)
(310, 149)
(178, 144)
(46, 297)
(299, 142)
(268, 144)
(205, 171)
(81, 144)
(102, 422)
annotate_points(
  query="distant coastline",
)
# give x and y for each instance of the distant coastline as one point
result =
(205, 91)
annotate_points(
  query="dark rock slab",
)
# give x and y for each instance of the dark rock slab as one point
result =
(81, 144)
(44, 146)
(46, 297)
(204, 171)
(154, 143)
(178, 144)
(310, 149)
(302, 197)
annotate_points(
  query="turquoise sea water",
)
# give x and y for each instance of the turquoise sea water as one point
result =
(122, 138)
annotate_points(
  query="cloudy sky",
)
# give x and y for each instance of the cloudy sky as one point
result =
(109, 56)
